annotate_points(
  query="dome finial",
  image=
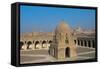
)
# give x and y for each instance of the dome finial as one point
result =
(62, 21)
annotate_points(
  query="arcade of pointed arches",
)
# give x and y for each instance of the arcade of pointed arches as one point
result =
(85, 42)
(45, 44)
(32, 45)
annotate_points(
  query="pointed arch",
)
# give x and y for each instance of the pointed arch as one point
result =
(67, 52)
(21, 45)
(44, 44)
(37, 44)
(29, 43)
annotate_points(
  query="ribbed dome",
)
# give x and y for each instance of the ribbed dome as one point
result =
(62, 27)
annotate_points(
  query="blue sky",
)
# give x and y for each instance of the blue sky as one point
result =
(45, 19)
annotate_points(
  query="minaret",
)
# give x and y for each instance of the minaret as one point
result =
(78, 29)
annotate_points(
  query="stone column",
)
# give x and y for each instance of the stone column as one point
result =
(40, 45)
(87, 45)
(25, 46)
(47, 45)
(83, 43)
(76, 43)
(91, 43)
(33, 46)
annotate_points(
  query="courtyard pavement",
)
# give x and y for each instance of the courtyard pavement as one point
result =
(38, 56)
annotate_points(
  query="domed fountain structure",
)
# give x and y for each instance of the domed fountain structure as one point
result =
(63, 45)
